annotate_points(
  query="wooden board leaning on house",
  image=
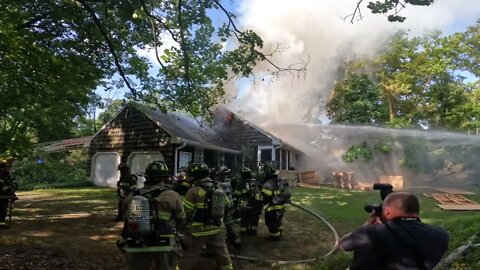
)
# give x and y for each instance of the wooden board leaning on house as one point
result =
(308, 177)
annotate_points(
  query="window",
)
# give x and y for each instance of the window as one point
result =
(184, 158)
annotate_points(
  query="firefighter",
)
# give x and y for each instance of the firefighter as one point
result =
(225, 182)
(205, 205)
(159, 247)
(126, 183)
(275, 193)
(8, 186)
(183, 181)
(249, 197)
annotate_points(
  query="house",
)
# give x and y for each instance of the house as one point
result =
(138, 135)
(257, 145)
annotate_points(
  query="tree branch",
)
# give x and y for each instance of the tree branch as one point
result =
(155, 36)
(354, 14)
(165, 26)
(110, 47)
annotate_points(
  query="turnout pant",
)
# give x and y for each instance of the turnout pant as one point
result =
(152, 261)
(3, 211)
(119, 211)
(273, 220)
(215, 245)
(249, 219)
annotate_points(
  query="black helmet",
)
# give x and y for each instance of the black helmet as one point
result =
(246, 172)
(123, 167)
(199, 170)
(156, 169)
(268, 169)
(223, 170)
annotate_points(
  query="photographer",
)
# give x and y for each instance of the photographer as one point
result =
(402, 241)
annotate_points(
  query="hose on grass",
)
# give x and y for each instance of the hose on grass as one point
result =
(282, 262)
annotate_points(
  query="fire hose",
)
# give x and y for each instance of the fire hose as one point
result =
(284, 262)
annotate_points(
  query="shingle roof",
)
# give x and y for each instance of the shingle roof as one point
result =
(189, 130)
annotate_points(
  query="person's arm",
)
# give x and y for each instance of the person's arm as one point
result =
(179, 214)
(267, 193)
(358, 237)
(189, 203)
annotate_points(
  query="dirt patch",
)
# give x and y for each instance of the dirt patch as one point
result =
(39, 259)
(74, 229)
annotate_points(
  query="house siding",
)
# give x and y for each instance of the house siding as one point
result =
(242, 136)
(132, 131)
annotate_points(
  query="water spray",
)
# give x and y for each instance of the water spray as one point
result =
(285, 262)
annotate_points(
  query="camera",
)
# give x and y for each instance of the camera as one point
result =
(385, 189)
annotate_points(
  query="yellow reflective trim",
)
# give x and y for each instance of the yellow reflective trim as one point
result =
(201, 192)
(267, 191)
(200, 205)
(275, 234)
(164, 215)
(205, 233)
(275, 207)
(166, 235)
(197, 224)
(226, 267)
(188, 204)
(148, 249)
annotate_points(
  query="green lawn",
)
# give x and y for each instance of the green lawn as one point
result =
(77, 222)
(344, 210)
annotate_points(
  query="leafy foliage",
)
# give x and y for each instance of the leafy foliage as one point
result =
(356, 100)
(53, 170)
(393, 7)
(413, 81)
(365, 152)
(54, 53)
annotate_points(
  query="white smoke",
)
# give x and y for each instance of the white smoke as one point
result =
(315, 29)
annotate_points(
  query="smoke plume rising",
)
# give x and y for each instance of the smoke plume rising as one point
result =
(317, 30)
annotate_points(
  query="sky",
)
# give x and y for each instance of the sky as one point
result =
(315, 30)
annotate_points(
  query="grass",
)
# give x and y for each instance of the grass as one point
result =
(344, 210)
(78, 222)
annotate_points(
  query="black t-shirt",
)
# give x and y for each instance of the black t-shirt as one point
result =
(399, 244)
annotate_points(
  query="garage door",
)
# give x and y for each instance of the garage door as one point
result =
(139, 160)
(104, 169)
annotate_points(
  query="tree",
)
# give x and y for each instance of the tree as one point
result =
(54, 53)
(390, 8)
(356, 100)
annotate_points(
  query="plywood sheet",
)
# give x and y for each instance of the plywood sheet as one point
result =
(471, 207)
(455, 191)
(455, 199)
